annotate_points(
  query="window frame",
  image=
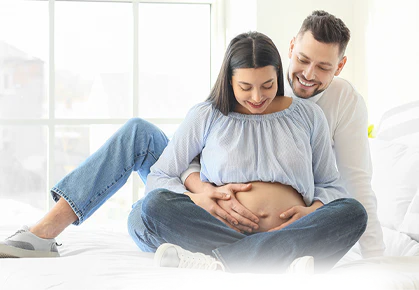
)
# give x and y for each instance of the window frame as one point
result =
(217, 26)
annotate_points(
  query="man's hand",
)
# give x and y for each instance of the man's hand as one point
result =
(295, 213)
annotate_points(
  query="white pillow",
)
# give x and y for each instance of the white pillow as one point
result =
(395, 179)
(410, 225)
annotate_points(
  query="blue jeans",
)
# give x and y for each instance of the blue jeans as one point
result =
(327, 234)
(136, 146)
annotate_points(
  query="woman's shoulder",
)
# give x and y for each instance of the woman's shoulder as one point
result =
(310, 114)
(308, 106)
(203, 112)
(204, 106)
(203, 109)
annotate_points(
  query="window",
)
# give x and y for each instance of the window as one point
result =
(79, 70)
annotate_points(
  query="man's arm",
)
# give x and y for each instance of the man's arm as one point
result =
(353, 160)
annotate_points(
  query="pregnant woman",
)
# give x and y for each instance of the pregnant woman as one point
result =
(247, 131)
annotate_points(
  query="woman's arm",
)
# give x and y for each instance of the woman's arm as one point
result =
(328, 185)
(327, 182)
(187, 142)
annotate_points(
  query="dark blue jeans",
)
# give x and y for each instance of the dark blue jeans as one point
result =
(326, 234)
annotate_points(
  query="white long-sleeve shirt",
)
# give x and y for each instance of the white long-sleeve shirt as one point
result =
(347, 116)
(292, 147)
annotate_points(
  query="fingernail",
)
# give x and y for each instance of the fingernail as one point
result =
(282, 215)
(227, 196)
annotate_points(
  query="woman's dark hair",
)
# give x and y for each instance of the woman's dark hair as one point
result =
(247, 50)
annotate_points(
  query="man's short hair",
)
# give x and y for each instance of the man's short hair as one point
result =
(327, 28)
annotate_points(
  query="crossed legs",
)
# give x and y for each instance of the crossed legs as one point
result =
(326, 234)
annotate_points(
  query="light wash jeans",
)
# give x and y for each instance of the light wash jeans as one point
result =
(327, 234)
(136, 146)
(163, 216)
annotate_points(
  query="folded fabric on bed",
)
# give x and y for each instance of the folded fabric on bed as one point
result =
(410, 224)
(395, 179)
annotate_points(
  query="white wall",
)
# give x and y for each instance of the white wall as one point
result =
(393, 54)
(241, 17)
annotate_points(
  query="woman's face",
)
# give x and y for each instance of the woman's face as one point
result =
(254, 89)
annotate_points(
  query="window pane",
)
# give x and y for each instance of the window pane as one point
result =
(23, 59)
(93, 60)
(174, 58)
(73, 144)
(168, 129)
(23, 166)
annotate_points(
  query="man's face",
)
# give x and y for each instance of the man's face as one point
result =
(313, 65)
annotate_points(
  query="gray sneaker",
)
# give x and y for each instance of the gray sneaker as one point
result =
(302, 266)
(24, 244)
(169, 255)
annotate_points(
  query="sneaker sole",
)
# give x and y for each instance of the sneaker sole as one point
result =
(13, 252)
(309, 265)
(159, 253)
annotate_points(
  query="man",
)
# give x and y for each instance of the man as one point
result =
(317, 55)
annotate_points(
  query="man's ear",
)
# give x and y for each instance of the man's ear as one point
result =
(292, 43)
(341, 64)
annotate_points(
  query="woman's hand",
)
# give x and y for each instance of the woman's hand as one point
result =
(295, 213)
(221, 202)
(239, 216)
(208, 201)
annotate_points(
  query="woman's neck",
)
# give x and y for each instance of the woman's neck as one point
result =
(280, 103)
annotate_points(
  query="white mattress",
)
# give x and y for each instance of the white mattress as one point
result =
(107, 258)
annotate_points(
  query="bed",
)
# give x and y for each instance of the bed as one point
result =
(105, 257)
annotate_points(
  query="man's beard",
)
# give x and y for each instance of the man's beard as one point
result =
(315, 93)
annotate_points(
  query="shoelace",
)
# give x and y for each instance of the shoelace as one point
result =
(199, 261)
(18, 232)
(24, 230)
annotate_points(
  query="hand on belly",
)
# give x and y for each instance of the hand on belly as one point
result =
(268, 200)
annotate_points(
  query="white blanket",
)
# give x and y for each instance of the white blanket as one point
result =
(103, 258)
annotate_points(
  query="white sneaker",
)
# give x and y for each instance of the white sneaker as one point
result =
(169, 255)
(24, 244)
(303, 265)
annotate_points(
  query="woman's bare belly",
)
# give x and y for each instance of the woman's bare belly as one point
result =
(268, 200)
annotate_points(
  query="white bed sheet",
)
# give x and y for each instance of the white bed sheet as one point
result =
(103, 258)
